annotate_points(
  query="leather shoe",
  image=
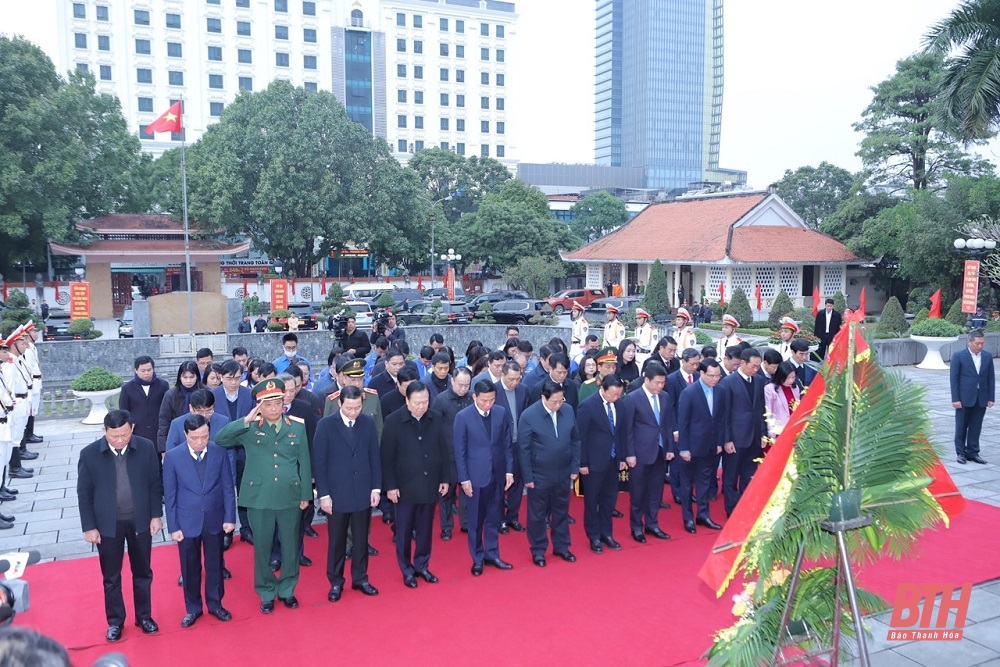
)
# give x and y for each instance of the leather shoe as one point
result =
(189, 619)
(708, 523)
(290, 602)
(689, 527)
(9, 518)
(499, 564)
(504, 529)
(387, 520)
(180, 580)
(961, 459)
(148, 626)
(595, 546)
(677, 499)
(334, 594)
(611, 543)
(477, 569)
(34, 439)
(566, 556)
(305, 561)
(615, 514)
(246, 536)
(310, 532)
(446, 534)
(464, 530)
(266, 606)
(639, 537)
(571, 519)
(275, 565)
(977, 459)
(372, 551)
(20, 473)
(28, 470)
(28, 456)
(226, 574)
(4, 496)
(4, 525)
(365, 588)
(428, 577)
(114, 633)
(516, 526)
(410, 581)
(657, 533)
(539, 561)
(7, 489)
(666, 506)
(221, 613)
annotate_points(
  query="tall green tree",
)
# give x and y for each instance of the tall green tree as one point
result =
(815, 193)
(457, 182)
(597, 214)
(535, 274)
(848, 220)
(656, 297)
(907, 141)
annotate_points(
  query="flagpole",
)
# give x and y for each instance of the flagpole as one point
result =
(187, 236)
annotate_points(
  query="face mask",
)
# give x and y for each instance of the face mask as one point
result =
(290, 354)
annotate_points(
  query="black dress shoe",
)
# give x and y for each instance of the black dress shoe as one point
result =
(34, 439)
(226, 574)
(446, 534)
(657, 533)
(275, 565)
(499, 563)
(410, 581)
(639, 537)
(334, 593)
(677, 499)
(221, 613)
(516, 525)
(148, 625)
(504, 529)
(961, 459)
(595, 546)
(615, 514)
(305, 561)
(114, 633)
(708, 523)
(9, 490)
(977, 459)
(266, 606)
(571, 519)
(387, 520)
(372, 551)
(477, 569)
(610, 543)
(20, 473)
(9, 518)
(28, 456)
(189, 619)
(310, 532)
(180, 580)
(291, 602)
(4, 525)
(365, 588)
(538, 560)
(4, 496)
(666, 506)
(464, 529)
(689, 527)
(566, 556)
(246, 536)
(428, 577)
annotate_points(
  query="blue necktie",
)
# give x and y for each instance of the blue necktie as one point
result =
(656, 413)
(611, 423)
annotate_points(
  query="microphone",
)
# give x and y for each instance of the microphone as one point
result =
(33, 557)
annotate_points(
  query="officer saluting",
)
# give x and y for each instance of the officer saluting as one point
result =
(276, 487)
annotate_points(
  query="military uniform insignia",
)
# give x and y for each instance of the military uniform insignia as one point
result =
(297, 420)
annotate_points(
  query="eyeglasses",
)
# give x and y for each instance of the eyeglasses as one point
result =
(291, 348)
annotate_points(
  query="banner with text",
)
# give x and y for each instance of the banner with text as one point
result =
(79, 301)
(279, 294)
(450, 283)
(970, 286)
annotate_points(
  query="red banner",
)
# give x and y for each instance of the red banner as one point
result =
(450, 283)
(970, 286)
(79, 301)
(279, 294)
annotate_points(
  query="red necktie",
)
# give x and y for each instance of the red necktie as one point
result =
(690, 379)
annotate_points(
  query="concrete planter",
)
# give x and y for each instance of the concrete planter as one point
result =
(933, 360)
(98, 404)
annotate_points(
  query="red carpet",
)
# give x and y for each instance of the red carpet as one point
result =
(643, 605)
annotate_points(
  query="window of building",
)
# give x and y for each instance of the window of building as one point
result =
(401, 95)
(460, 125)
(214, 2)
(309, 62)
(174, 21)
(443, 24)
(401, 70)
(418, 71)
(142, 46)
(460, 148)
(484, 29)
(175, 50)
(444, 99)
(308, 8)
(215, 108)
(444, 49)
(80, 40)
(418, 97)
(281, 32)
(484, 54)
(500, 103)
(246, 83)
(401, 145)
(215, 53)
(175, 78)
(312, 86)
(444, 145)
(500, 55)
(418, 21)
(484, 103)
(102, 12)
(460, 75)
(484, 78)
(444, 123)
(418, 122)
(401, 120)
(484, 150)
(459, 26)
(281, 59)
(460, 101)
(144, 75)
(418, 46)
(309, 35)
(500, 151)
(444, 73)
(103, 43)
(244, 56)
(215, 81)
(82, 67)
(281, 5)
(242, 3)
(500, 79)
(484, 126)
(105, 72)
(400, 19)
(500, 31)
(214, 25)
(418, 146)
(243, 28)
(141, 16)
(401, 45)
(80, 11)
(501, 127)
(145, 103)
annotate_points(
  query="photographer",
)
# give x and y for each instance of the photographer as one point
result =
(385, 325)
(355, 342)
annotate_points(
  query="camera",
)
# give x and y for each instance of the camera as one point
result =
(337, 323)
(381, 321)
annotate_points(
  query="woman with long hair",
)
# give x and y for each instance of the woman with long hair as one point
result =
(588, 368)
(465, 361)
(628, 369)
(213, 376)
(781, 396)
(176, 401)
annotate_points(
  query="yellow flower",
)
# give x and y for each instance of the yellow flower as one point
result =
(739, 609)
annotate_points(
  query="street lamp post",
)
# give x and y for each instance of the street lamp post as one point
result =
(975, 244)
(449, 258)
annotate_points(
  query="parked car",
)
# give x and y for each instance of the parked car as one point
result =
(125, 324)
(563, 301)
(57, 326)
(363, 314)
(455, 312)
(306, 314)
(404, 297)
(519, 311)
(622, 303)
(442, 293)
(496, 297)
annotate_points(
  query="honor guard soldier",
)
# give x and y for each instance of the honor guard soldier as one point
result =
(729, 338)
(645, 335)
(276, 487)
(580, 329)
(614, 330)
(683, 333)
(6, 408)
(787, 332)
(22, 386)
(31, 359)
(607, 362)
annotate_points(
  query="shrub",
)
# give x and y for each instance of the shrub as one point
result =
(717, 311)
(334, 301)
(83, 328)
(385, 300)
(839, 302)
(935, 328)
(739, 307)
(781, 307)
(892, 324)
(993, 326)
(96, 379)
(434, 314)
(918, 297)
(656, 298)
(956, 316)
(275, 326)
(484, 314)
(804, 316)
(921, 315)
(703, 338)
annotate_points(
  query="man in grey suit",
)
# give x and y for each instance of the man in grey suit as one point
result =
(972, 391)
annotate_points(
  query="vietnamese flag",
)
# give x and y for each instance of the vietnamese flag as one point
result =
(246, 291)
(935, 306)
(170, 121)
(760, 300)
(815, 300)
(56, 285)
(861, 303)
(722, 294)
(322, 285)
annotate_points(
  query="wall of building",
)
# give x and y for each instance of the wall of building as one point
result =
(99, 277)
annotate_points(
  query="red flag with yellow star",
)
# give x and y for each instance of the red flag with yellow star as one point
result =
(168, 122)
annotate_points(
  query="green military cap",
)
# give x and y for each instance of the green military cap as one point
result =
(269, 389)
(351, 367)
(608, 355)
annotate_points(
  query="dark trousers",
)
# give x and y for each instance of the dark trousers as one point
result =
(412, 517)
(241, 463)
(29, 430)
(485, 512)
(820, 353)
(336, 555)
(645, 488)
(111, 553)
(451, 503)
(276, 546)
(548, 503)
(600, 491)
(191, 550)
(738, 469)
(675, 478)
(267, 524)
(968, 426)
(514, 495)
(699, 474)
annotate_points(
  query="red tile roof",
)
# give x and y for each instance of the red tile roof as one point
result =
(124, 248)
(787, 245)
(159, 223)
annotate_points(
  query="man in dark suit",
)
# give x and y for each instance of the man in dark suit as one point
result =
(701, 415)
(484, 457)
(201, 507)
(449, 403)
(744, 428)
(548, 445)
(602, 456)
(141, 397)
(804, 373)
(385, 381)
(828, 322)
(973, 388)
(647, 423)
(666, 354)
(512, 396)
(120, 496)
(396, 399)
(678, 381)
(558, 372)
(348, 474)
(541, 371)
(415, 470)
(234, 401)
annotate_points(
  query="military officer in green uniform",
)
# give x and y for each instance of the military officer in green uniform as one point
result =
(277, 486)
(607, 362)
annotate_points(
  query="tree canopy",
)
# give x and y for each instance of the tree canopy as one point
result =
(815, 193)
(459, 183)
(597, 214)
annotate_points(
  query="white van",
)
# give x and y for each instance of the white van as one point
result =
(366, 291)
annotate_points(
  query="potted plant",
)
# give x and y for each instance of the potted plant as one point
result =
(934, 333)
(96, 385)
